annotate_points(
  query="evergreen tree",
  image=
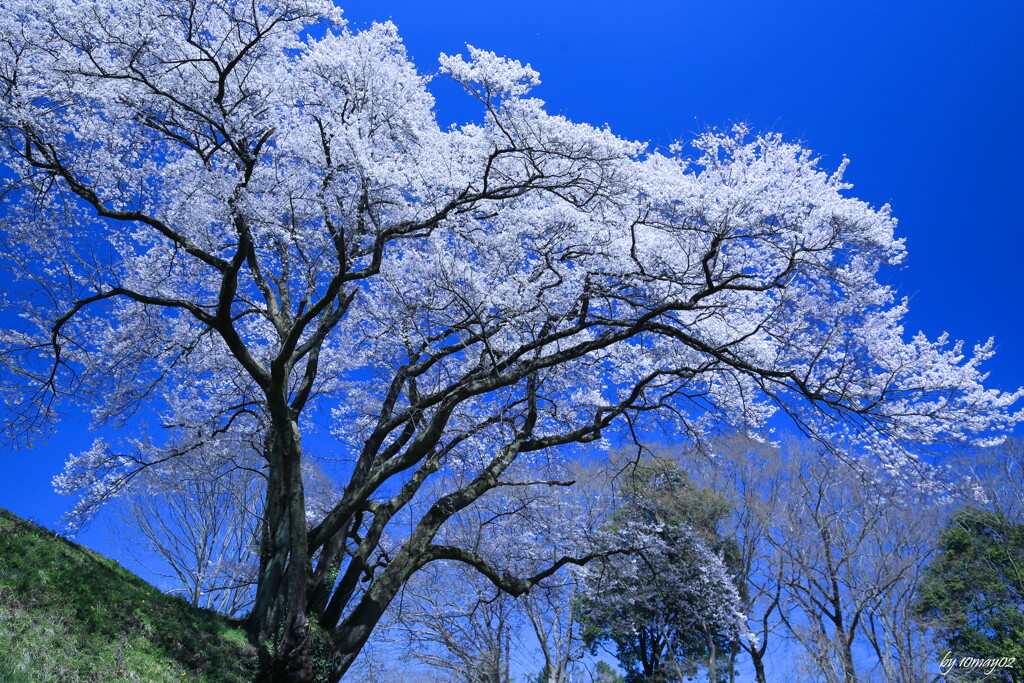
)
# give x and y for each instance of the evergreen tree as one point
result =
(974, 593)
(669, 609)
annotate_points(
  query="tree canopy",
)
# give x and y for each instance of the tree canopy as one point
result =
(973, 593)
(231, 223)
(671, 608)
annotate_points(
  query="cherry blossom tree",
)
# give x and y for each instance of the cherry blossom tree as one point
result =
(232, 220)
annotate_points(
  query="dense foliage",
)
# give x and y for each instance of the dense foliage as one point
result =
(973, 593)
(670, 608)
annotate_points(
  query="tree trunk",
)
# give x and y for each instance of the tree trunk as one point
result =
(849, 674)
(278, 620)
(733, 654)
(712, 657)
(758, 661)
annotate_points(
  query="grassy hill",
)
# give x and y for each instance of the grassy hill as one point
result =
(68, 614)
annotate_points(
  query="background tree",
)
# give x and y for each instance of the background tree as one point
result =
(197, 522)
(223, 225)
(567, 519)
(751, 475)
(993, 478)
(899, 548)
(670, 608)
(451, 618)
(850, 543)
(552, 612)
(603, 673)
(831, 552)
(973, 591)
(199, 519)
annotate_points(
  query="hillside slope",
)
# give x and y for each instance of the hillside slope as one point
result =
(68, 614)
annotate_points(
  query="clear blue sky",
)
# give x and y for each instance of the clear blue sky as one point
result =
(926, 98)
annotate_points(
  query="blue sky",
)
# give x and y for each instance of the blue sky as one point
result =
(926, 98)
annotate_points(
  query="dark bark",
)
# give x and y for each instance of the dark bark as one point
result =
(279, 622)
(759, 668)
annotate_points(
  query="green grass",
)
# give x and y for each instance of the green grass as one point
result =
(68, 614)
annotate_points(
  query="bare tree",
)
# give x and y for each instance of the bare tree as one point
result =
(196, 520)
(994, 477)
(552, 613)
(454, 620)
(565, 517)
(851, 544)
(831, 551)
(902, 543)
(750, 474)
(199, 518)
